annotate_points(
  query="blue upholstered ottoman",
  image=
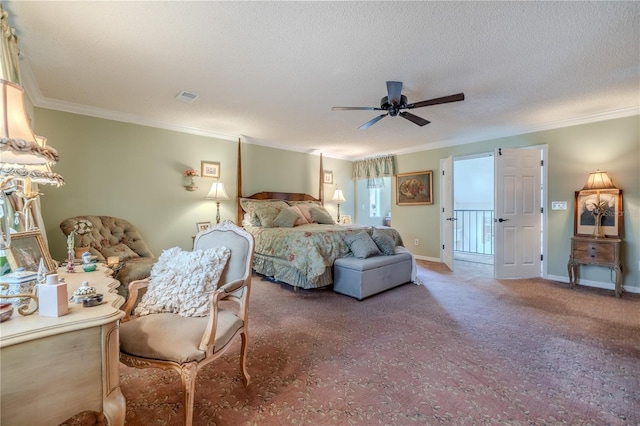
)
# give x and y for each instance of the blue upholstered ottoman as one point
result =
(362, 278)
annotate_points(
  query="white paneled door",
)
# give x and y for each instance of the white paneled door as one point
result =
(446, 213)
(517, 213)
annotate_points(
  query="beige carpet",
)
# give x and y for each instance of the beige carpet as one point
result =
(463, 349)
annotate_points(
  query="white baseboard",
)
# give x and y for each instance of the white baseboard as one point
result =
(430, 259)
(595, 284)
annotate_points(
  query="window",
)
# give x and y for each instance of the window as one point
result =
(374, 202)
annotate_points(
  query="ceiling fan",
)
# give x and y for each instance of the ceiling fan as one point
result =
(395, 102)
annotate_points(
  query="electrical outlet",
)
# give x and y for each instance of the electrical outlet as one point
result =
(416, 242)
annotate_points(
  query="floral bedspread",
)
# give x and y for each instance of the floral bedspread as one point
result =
(303, 256)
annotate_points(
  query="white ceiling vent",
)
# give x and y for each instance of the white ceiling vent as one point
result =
(187, 97)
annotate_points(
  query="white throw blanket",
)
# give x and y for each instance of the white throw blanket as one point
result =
(414, 269)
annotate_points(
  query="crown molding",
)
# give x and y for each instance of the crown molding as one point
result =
(515, 131)
(32, 90)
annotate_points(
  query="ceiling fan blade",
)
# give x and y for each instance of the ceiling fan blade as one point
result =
(443, 100)
(372, 121)
(355, 108)
(394, 92)
(414, 118)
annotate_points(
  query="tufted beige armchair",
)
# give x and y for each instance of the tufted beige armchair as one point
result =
(112, 236)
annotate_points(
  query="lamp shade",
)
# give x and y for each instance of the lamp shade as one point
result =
(338, 196)
(18, 144)
(599, 180)
(217, 192)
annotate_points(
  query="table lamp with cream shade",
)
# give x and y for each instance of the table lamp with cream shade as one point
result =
(598, 181)
(339, 197)
(218, 193)
(26, 158)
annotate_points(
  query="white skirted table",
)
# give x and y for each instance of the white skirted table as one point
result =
(55, 367)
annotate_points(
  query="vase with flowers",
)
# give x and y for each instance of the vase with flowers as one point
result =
(82, 228)
(190, 184)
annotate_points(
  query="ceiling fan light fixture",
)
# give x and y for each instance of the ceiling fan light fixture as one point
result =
(395, 102)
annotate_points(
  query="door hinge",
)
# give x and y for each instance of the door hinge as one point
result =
(541, 209)
(443, 173)
(542, 162)
(443, 210)
(499, 151)
(443, 247)
(541, 257)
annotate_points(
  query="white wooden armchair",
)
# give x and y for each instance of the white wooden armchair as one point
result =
(186, 344)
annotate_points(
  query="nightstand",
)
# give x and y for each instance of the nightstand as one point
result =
(595, 251)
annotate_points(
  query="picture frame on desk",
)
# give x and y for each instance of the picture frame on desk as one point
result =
(584, 220)
(26, 250)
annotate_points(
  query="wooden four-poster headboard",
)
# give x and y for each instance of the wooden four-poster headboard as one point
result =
(288, 196)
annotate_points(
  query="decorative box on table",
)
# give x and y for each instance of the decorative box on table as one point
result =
(19, 282)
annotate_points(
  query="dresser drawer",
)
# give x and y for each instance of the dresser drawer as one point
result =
(592, 252)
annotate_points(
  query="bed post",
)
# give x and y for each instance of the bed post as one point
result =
(321, 181)
(239, 186)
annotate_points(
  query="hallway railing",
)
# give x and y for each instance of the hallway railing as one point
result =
(473, 231)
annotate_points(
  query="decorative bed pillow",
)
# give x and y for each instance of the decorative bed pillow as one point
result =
(121, 250)
(266, 214)
(385, 243)
(361, 245)
(321, 215)
(250, 206)
(285, 219)
(309, 203)
(301, 218)
(305, 210)
(181, 282)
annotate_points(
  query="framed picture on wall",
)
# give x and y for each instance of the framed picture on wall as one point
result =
(26, 250)
(414, 188)
(202, 226)
(210, 169)
(612, 219)
(328, 177)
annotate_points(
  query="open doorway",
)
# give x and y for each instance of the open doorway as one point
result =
(473, 204)
(515, 222)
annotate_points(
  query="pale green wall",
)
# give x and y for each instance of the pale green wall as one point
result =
(135, 172)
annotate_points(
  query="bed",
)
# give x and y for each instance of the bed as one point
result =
(297, 253)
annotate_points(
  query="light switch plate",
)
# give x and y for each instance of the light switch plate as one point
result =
(558, 205)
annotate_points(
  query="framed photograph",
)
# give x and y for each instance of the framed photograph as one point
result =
(26, 250)
(345, 219)
(202, 226)
(210, 169)
(415, 188)
(612, 219)
(328, 177)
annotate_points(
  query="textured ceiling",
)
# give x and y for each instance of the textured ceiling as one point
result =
(269, 72)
